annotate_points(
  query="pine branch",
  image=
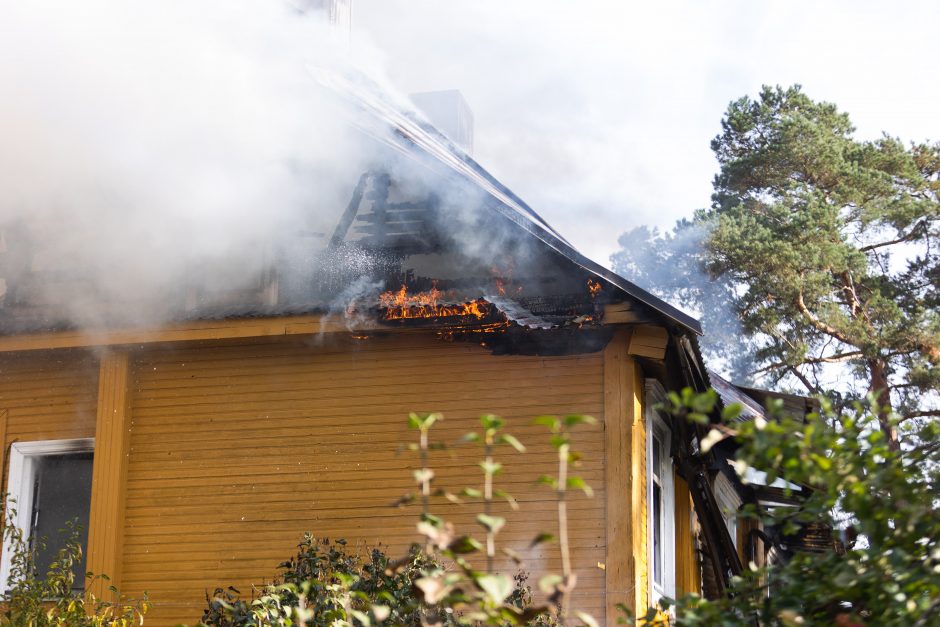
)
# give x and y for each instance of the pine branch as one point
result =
(818, 324)
(912, 234)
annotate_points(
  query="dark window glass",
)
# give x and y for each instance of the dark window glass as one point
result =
(62, 493)
(657, 534)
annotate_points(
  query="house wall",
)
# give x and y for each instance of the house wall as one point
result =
(236, 450)
(50, 395)
(212, 458)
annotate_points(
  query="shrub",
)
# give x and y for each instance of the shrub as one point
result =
(328, 583)
(39, 600)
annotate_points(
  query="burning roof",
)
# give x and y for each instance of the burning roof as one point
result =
(424, 234)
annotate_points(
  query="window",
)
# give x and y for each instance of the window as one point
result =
(660, 499)
(50, 482)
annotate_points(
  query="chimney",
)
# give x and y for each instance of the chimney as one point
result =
(449, 112)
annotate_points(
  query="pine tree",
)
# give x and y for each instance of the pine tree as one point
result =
(828, 247)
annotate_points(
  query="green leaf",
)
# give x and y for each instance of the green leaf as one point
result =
(491, 421)
(578, 483)
(731, 412)
(464, 545)
(513, 503)
(542, 538)
(512, 441)
(572, 420)
(491, 468)
(423, 422)
(552, 422)
(549, 481)
(437, 521)
(491, 523)
(472, 493)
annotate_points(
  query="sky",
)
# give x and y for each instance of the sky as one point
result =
(599, 113)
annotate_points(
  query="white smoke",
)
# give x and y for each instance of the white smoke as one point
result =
(151, 140)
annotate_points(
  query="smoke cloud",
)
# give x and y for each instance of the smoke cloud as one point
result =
(150, 141)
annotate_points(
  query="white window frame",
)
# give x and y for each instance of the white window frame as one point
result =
(655, 424)
(23, 456)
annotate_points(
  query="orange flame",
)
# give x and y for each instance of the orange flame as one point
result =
(400, 305)
(594, 288)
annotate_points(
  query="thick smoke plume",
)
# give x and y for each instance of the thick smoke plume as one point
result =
(150, 141)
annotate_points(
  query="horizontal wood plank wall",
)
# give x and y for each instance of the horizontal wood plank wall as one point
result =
(237, 450)
(46, 396)
(49, 395)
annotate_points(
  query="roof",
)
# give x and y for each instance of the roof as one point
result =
(411, 132)
(423, 213)
(729, 393)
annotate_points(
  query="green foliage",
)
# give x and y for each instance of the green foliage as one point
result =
(326, 584)
(884, 501)
(827, 247)
(39, 600)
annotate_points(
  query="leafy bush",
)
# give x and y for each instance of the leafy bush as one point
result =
(328, 583)
(33, 600)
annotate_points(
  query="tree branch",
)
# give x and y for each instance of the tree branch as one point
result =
(834, 359)
(920, 414)
(806, 382)
(828, 359)
(919, 226)
(819, 324)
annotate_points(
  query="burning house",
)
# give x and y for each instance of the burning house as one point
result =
(199, 426)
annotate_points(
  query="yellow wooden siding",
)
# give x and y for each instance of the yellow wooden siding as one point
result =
(47, 396)
(688, 577)
(237, 450)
